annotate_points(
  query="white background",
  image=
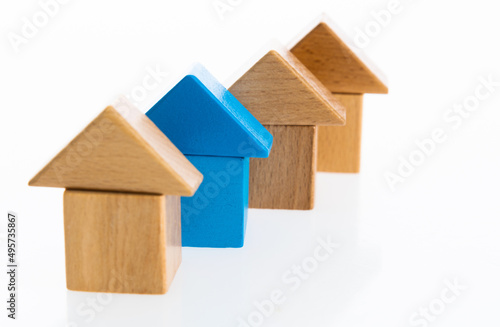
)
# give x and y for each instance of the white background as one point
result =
(396, 248)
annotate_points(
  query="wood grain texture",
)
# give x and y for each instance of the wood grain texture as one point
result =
(339, 147)
(121, 150)
(121, 242)
(336, 64)
(279, 90)
(285, 180)
(173, 231)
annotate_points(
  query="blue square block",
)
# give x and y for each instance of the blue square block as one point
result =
(216, 215)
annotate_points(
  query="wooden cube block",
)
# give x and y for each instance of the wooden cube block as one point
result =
(339, 147)
(121, 242)
(285, 180)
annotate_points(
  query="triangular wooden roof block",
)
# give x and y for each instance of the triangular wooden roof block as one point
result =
(336, 64)
(279, 90)
(121, 150)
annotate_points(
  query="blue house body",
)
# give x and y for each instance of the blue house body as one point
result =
(218, 136)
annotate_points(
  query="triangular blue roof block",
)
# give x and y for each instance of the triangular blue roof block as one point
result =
(201, 117)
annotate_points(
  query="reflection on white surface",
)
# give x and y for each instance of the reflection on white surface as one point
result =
(96, 309)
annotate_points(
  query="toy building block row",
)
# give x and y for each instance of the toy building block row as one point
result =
(123, 181)
(348, 76)
(130, 178)
(218, 135)
(284, 96)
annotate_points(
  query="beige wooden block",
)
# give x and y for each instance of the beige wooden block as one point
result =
(336, 64)
(121, 150)
(339, 147)
(121, 242)
(285, 180)
(279, 90)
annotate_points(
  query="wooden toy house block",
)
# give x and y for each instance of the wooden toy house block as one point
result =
(284, 96)
(123, 181)
(348, 76)
(218, 135)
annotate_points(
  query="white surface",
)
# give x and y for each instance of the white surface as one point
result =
(396, 248)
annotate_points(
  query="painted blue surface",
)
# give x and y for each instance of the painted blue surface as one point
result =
(218, 135)
(201, 117)
(216, 215)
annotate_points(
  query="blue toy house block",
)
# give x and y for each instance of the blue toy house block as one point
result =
(218, 135)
